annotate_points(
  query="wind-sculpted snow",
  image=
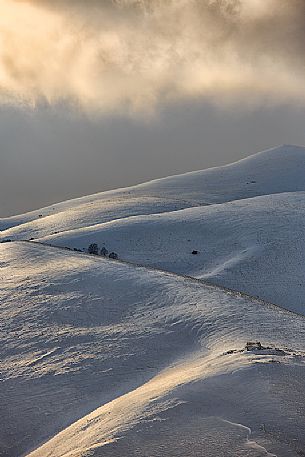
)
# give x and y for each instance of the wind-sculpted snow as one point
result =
(137, 357)
(113, 359)
(253, 245)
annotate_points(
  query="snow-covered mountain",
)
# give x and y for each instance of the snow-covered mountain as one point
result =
(146, 355)
(253, 245)
(273, 171)
(113, 359)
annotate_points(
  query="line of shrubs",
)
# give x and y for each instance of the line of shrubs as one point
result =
(94, 250)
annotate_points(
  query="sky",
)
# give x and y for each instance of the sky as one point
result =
(98, 94)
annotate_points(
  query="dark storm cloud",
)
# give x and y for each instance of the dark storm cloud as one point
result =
(49, 156)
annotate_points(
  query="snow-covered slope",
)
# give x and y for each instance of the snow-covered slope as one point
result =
(254, 245)
(92, 211)
(141, 362)
(273, 171)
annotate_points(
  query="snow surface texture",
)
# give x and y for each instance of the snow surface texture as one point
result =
(255, 244)
(137, 362)
(110, 358)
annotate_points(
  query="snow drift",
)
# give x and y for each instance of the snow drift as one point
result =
(253, 245)
(114, 358)
(102, 354)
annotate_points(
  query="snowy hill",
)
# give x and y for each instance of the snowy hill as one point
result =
(273, 171)
(112, 359)
(102, 209)
(122, 358)
(254, 245)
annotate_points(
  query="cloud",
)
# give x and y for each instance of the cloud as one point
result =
(135, 55)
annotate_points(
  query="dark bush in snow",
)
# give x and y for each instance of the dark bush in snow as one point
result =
(194, 252)
(93, 249)
(104, 251)
(113, 255)
(253, 346)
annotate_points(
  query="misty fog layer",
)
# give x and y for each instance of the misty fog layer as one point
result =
(132, 55)
(48, 155)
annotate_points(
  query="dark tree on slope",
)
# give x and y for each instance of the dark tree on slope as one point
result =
(104, 251)
(113, 255)
(93, 249)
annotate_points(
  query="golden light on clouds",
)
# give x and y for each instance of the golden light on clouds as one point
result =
(132, 56)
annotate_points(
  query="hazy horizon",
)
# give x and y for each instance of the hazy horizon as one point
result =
(96, 95)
